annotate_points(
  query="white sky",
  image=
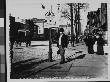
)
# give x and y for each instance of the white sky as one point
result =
(28, 9)
(32, 8)
(25, 9)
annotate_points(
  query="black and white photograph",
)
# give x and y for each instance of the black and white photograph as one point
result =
(57, 40)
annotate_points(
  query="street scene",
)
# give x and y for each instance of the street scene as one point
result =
(58, 40)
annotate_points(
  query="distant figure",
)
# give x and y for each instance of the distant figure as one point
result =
(95, 44)
(85, 39)
(100, 44)
(62, 44)
(28, 38)
(90, 42)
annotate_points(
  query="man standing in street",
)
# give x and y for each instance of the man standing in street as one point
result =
(62, 44)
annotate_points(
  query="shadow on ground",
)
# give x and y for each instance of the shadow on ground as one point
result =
(70, 58)
(19, 67)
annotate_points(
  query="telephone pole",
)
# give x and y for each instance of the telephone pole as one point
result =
(50, 15)
(78, 28)
(50, 47)
(76, 24)
(72, 34)
(78, 20)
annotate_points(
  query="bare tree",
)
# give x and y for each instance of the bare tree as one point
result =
(73, 14)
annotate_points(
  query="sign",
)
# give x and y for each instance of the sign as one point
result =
(40, 28)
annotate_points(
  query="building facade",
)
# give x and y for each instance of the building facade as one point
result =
(98, 18)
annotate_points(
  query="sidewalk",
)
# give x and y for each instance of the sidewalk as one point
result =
(88, 68)
(78, 65)
(82, 66)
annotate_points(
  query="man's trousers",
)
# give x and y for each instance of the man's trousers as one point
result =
(62, 52)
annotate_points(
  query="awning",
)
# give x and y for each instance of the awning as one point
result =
(22, 30)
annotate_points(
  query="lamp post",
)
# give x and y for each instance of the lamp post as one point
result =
(50, 15)
(50, 46)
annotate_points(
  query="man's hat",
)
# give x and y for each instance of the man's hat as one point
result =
(61, 30)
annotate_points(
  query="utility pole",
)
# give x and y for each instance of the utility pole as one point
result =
(79, 20)
(72, 34)
(50, 16)
(76, 21)
(106, 23)
(50, 46)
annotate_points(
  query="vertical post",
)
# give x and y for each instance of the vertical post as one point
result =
(72, 36)
(101, 14)
(50, 47)
(76, 28)
(78, 23)
(43, 31)
(106, 23)
(106, 17)
(79, 20)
